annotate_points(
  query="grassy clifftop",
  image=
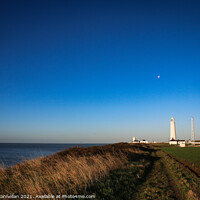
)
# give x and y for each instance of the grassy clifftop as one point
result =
(67, 172)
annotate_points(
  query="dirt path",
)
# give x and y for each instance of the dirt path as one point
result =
(189, 167)
(158, 184)
(153, 175)
(187, 181)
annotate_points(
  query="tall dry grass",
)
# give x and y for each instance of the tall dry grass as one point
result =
(67, 172)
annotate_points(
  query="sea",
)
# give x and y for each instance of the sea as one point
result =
(13, 153)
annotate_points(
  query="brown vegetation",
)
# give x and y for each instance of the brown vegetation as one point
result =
(66, 172)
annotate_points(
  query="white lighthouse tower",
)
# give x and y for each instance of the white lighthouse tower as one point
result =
(173, 139)
(172, 129)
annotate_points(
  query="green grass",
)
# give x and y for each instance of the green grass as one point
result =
(120, 184)
(188, 154)
(157, 184)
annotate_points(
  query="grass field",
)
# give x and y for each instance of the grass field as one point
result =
(188, 154)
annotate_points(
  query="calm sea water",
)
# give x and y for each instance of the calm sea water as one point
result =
(12, 153)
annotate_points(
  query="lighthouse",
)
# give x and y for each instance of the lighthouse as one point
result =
(172, 129)
(173, 139)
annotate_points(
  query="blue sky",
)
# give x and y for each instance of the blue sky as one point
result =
(86, 71)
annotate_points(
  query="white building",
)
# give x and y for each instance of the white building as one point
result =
(182, 143)
(144, 141)
(138, 141)
(173, 132)
(173, 142)
(135, 141)
(173, 139)
(172, 129)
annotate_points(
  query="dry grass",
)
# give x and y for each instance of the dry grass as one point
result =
(67, 172)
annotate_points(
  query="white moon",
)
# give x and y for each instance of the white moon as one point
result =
(158, 76)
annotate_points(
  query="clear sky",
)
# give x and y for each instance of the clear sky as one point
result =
(87, 71)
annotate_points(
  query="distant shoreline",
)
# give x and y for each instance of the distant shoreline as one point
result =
(15, 153)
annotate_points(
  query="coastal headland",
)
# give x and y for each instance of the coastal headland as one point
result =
(115, 171)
